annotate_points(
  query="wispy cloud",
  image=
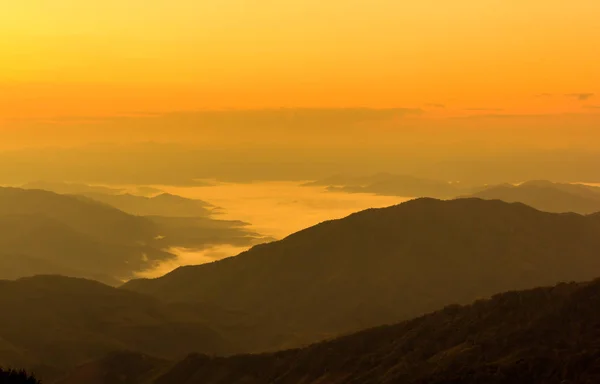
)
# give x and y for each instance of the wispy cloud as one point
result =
(592, 106)
(580, 96)
(543, 95)
(484, 109)
(435, 105)
(259, 116)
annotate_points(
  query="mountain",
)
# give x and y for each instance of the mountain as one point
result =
(71, 188)
(42, 232)
(548, 196)
(100, 221)
(388, 184)
(51, 324)
(17, 265)
(539, 336)
(164, 204)
(65, 188)
(120, 367)
(146, 201)
(381, 266)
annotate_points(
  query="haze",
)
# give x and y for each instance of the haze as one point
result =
(299, 191)
(68, 66)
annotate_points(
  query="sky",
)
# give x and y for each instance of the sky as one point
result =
(73, 71)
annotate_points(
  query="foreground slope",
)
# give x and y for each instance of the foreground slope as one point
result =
(120, 367)
(50, 324)
(546, 335)
(538, 336)
(384, 265)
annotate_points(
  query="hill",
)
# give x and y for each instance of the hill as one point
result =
(51, 324)
(67, 188)
(547, 196)
(538, 336)
(88, 216)
(164, 204)
(381, 266)
(119, 367)
(42, 232)
(71, 188)
(388, 184)
(145, 201)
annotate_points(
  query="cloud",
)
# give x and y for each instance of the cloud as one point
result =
(580, 96)
(523, 117)
(592, 106)
(244, 117)
(484, 109)
(435, 105)
(542, 95)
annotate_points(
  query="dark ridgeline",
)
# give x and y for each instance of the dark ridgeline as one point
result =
(51, 324)
(375, 267)
(120, 367)
(381, 266)
(11, 376)
(544, 335)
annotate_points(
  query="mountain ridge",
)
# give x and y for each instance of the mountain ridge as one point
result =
(365, 270)
(547, 335)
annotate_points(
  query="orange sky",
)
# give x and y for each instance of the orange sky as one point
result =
(67, 58)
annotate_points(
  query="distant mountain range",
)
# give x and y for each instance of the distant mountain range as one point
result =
(381, 266)
(43, 232)
(66, 188)
(547, 196)
(164, 204)
(544, 335)
(541, 194)
(388, 184)
(147, 201)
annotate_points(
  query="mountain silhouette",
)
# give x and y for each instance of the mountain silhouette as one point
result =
(73, 235)
(545, 335)
(388, 184)
(42, 232)
(381, 266)
(65, 188)
(89, 217)
(164, 204)
(547, 196)
(121, 367)
(51, 324)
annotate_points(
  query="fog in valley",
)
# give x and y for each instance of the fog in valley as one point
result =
(299, 192)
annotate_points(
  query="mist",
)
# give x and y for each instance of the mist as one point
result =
(299, 191)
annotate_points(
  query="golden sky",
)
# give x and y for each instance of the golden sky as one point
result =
(76, 58)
